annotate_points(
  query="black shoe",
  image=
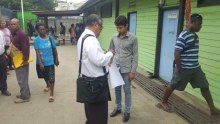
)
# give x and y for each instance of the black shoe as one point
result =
(6, 93)
(115, 112)
(11, 68)
(126, 117)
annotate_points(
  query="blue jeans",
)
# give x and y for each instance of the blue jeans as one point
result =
(127, 91)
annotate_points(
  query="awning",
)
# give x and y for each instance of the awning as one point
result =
(48, 13)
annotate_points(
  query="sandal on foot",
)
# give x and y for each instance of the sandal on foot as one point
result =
(165, 107)
(46, 89)
(51, 99)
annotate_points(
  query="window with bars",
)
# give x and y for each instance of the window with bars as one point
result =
(106, 10)
(203, 3)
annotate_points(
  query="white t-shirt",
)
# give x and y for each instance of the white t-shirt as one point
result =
(2, 43)
(93, 56)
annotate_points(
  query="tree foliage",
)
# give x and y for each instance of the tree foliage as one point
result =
(28, 4)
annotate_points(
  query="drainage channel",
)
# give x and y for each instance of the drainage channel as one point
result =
(185, 110)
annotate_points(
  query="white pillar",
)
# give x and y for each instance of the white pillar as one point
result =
(22, 13)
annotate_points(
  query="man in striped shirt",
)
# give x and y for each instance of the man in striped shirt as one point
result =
(187, 68)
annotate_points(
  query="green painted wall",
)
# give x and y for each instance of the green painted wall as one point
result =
(147, 15)
(109, 28)
(27, 15)
(146, 32)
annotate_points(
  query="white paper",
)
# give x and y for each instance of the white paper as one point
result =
(115, 76)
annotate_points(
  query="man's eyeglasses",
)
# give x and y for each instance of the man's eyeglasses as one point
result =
(100, 25)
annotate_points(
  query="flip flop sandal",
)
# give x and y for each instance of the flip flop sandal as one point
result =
(166, 109)
(51, 99)
(46, 89)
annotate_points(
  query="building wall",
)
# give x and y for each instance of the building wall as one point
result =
(6, 13)
(109, 29)
(146, 32)
(147, 18)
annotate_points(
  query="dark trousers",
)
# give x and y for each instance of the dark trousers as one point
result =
(96, 113)
(3, 73)
(9, 61)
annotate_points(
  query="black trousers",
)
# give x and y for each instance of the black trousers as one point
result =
(96, 113)
(9, 62)
(3, 73)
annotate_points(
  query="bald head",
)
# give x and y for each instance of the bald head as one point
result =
(14, 25)
(15, 20)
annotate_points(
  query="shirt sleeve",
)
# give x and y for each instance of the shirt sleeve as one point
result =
(135, 56)
(4, 41)
(180, 44)
(95, 53)
(25, 46)
(36, 44)
(111, 46)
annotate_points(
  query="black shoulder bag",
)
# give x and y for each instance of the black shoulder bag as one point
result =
(91, 89)
(53, 50)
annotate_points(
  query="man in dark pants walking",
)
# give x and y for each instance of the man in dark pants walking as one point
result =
(3, 75)
(30, 28)
(62, 32)
(187, 68)
(3, 62)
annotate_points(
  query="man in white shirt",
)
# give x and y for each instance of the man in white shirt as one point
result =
(3, 62)
(93, 60)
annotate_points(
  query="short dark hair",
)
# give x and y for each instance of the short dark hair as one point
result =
(39, 24)
(121, 20)
(92, 19)
(195, 17)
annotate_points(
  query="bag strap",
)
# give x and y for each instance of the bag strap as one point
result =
(51, 42)
(52, 48)
(80, 60)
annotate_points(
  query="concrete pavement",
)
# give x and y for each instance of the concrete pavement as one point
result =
(65, 109)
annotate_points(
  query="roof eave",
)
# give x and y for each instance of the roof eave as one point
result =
(88, 4)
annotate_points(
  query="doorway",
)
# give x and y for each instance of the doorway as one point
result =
(169, 35)
(132, 22)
